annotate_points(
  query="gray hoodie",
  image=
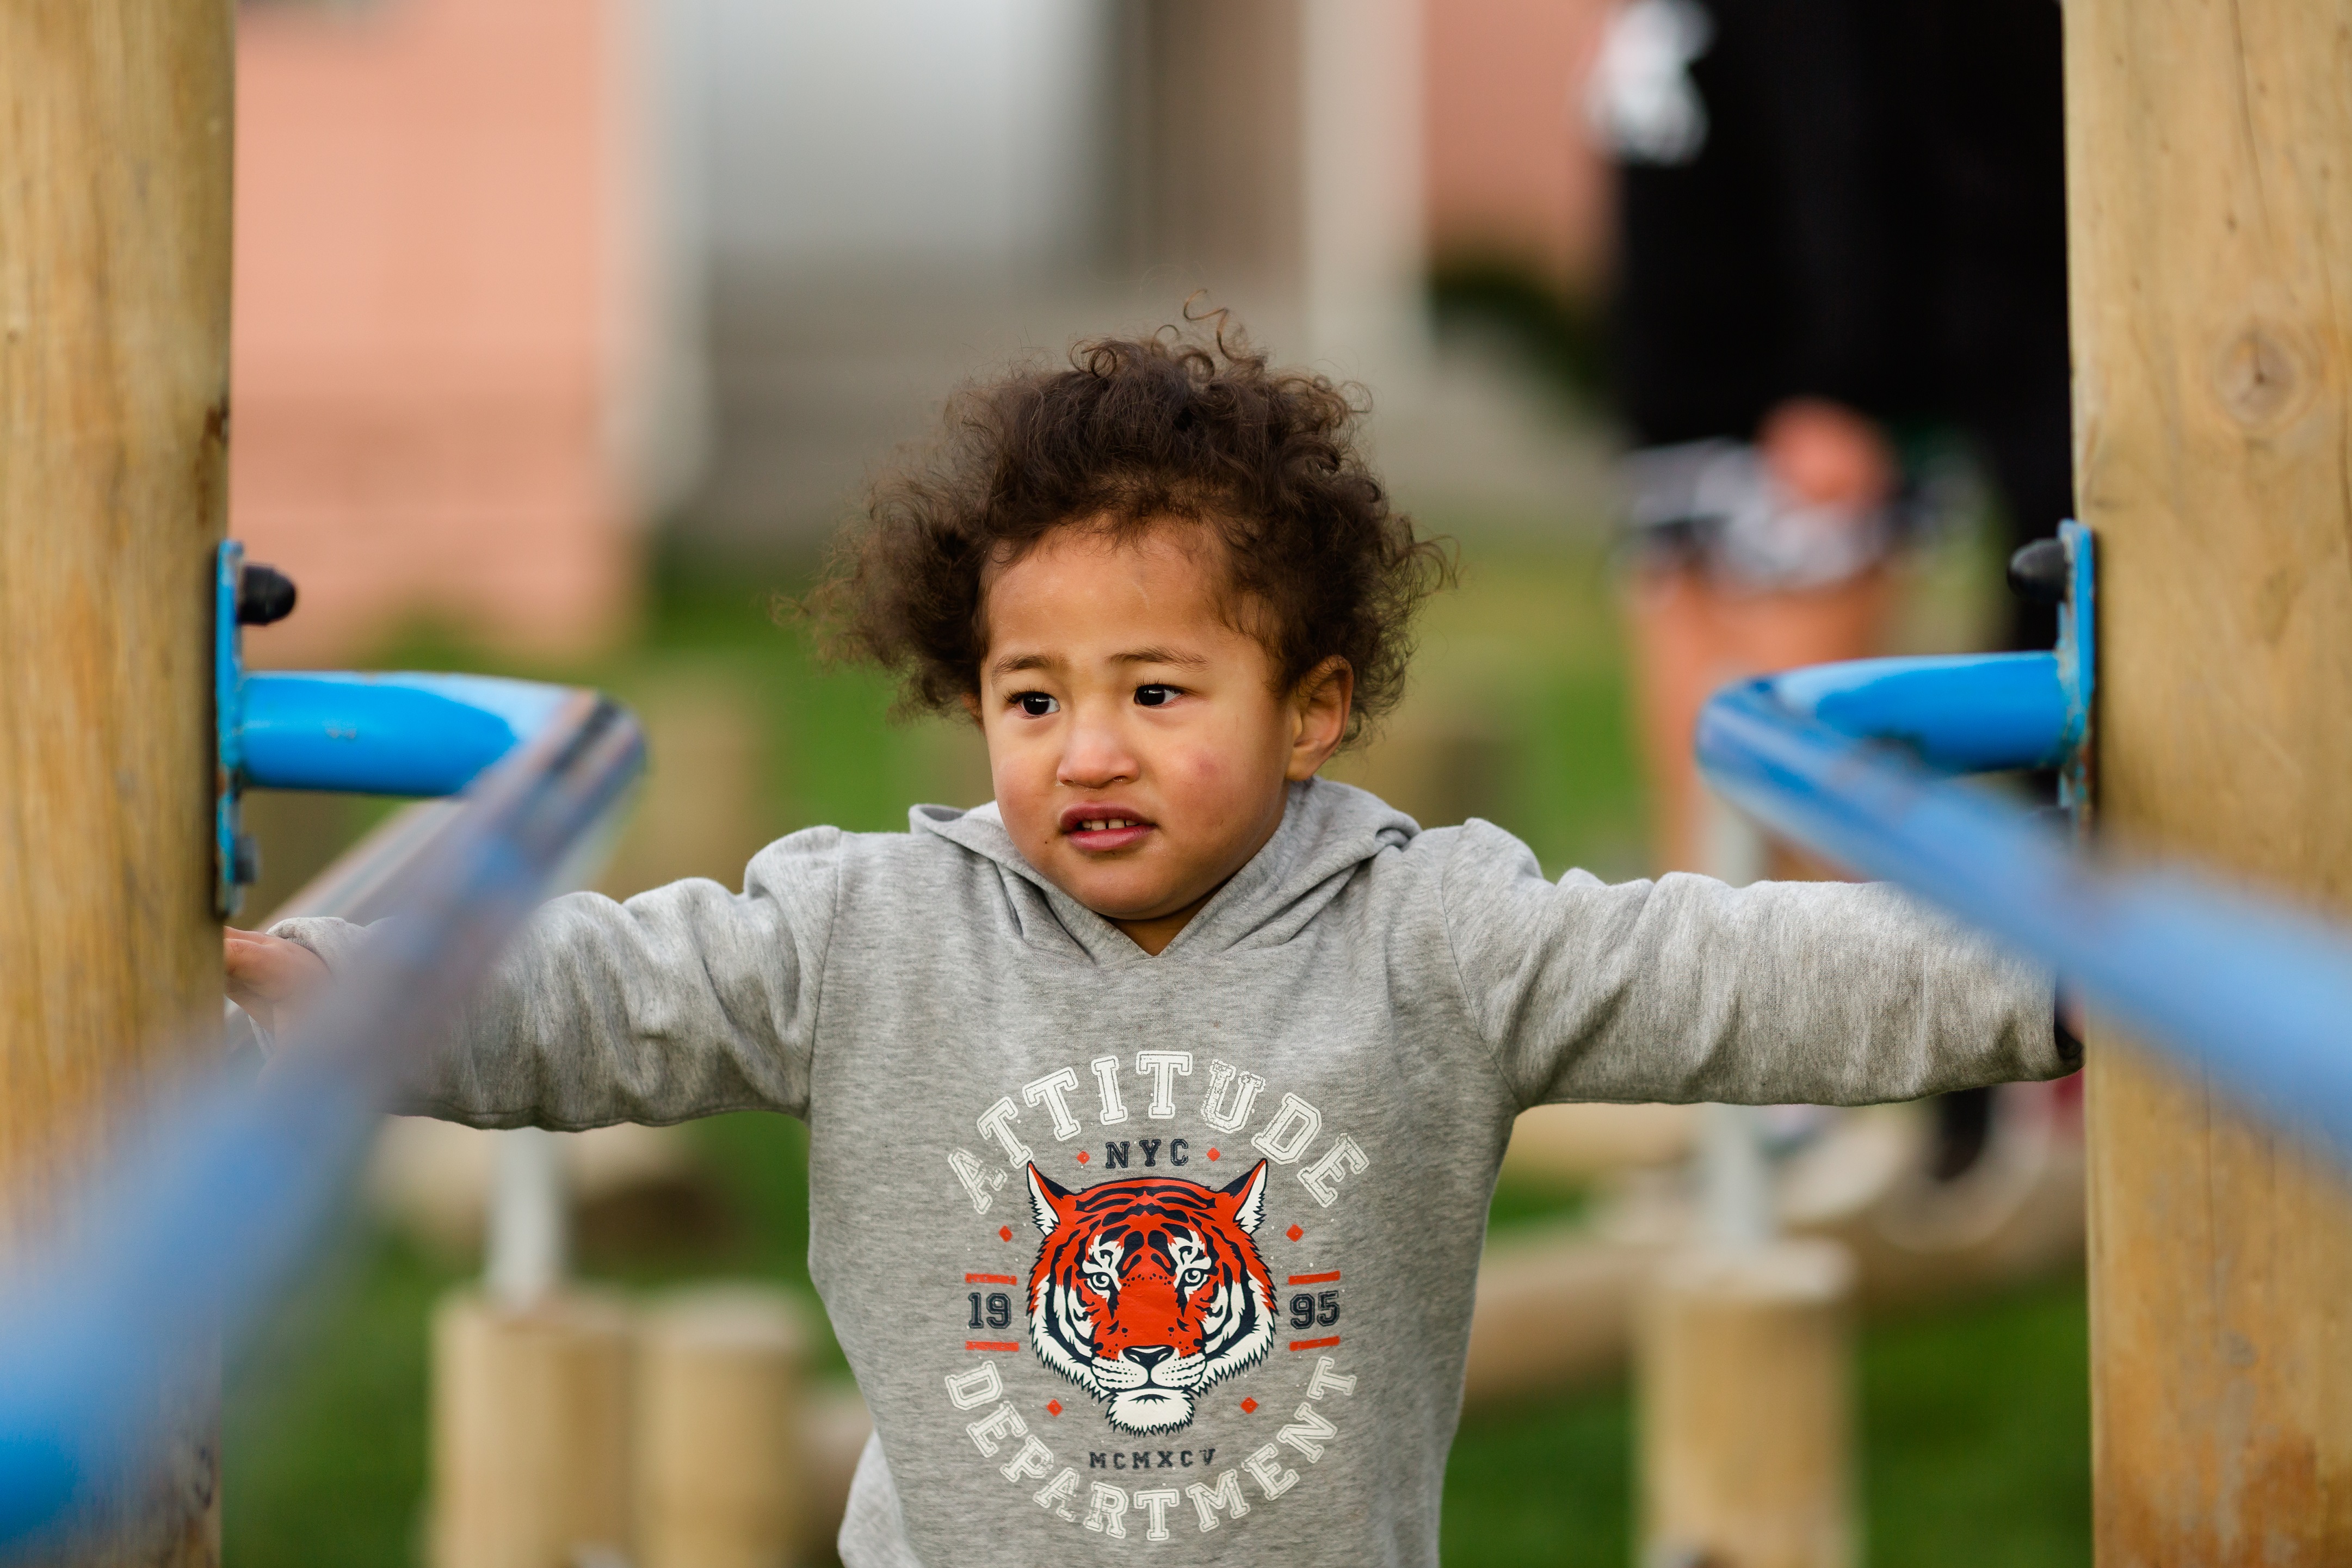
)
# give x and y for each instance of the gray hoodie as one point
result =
(1172, 1259)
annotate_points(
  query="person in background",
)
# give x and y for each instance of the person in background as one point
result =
(1842, 228)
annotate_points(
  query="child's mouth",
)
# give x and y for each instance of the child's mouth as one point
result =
(1100, 831)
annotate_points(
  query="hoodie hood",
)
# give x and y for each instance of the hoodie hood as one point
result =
(1327, 831)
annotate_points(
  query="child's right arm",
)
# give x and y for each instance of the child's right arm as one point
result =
(685, 1001)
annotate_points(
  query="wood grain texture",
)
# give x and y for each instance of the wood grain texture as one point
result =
(2210, 162)
(531, 1433)
(114, 272)
(723, 1468)
(1746, 1397)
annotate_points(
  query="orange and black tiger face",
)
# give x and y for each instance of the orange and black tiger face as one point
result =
(1147, 1289)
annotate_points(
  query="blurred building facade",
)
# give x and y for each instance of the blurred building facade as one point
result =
(441, 319)
(1515, 180)
(516, 276)
(910, 192)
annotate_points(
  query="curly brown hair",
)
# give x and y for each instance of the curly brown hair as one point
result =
(1135, 433)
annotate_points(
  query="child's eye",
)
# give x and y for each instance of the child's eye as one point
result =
(1153, 695)
(1036, 704)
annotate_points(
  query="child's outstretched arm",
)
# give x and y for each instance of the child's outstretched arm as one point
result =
(685, 1001)
(1686, 989)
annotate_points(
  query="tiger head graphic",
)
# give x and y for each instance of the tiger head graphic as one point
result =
(1148, 1290)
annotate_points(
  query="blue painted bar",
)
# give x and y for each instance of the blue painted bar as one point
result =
(211, 1213)
(2253, 995)
(404, 734)
(1970, 714)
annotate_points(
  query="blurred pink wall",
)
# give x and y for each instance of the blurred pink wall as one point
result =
(429, 338)
(1511, 173)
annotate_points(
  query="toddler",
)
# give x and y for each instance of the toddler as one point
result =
(1155, 1107)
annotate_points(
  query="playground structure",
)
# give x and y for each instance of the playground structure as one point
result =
(2212, 332)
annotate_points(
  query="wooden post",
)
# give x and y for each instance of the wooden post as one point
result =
(1745, 1409)
(2210, 164)
(114, 292)
(531, 1433)
(721, 1469)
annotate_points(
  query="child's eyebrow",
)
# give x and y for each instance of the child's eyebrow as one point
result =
(1014, 663)
(1157, 656)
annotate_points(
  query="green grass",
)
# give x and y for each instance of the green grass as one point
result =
(1975, 1444)
(323, 1436)
(1975, 1421)
(324, 1439)
(1974, 1424)
(1977, 1432)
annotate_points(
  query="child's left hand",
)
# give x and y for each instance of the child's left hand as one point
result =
(268, 976)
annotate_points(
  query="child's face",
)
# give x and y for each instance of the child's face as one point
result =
(1139, 745)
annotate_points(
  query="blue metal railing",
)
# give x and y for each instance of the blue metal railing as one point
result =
(183, 1247)
(2253, 994)
(403, 734)
(366, 732)
(189, 1240)
(1967, 715)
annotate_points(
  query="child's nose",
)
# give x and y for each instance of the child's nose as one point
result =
(1094, 756)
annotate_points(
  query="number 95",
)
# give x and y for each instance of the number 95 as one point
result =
(1312, 1311)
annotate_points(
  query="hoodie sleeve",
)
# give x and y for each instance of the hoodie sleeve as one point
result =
(685, 1001)
(1685, 989)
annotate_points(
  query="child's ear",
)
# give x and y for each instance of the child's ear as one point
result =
(1319, 703)
(971, 705)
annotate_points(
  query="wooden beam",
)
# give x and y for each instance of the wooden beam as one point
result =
(2210, 162)
(114, 292)
(1745, 1375)
(721, 1462)
(531, 1433)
